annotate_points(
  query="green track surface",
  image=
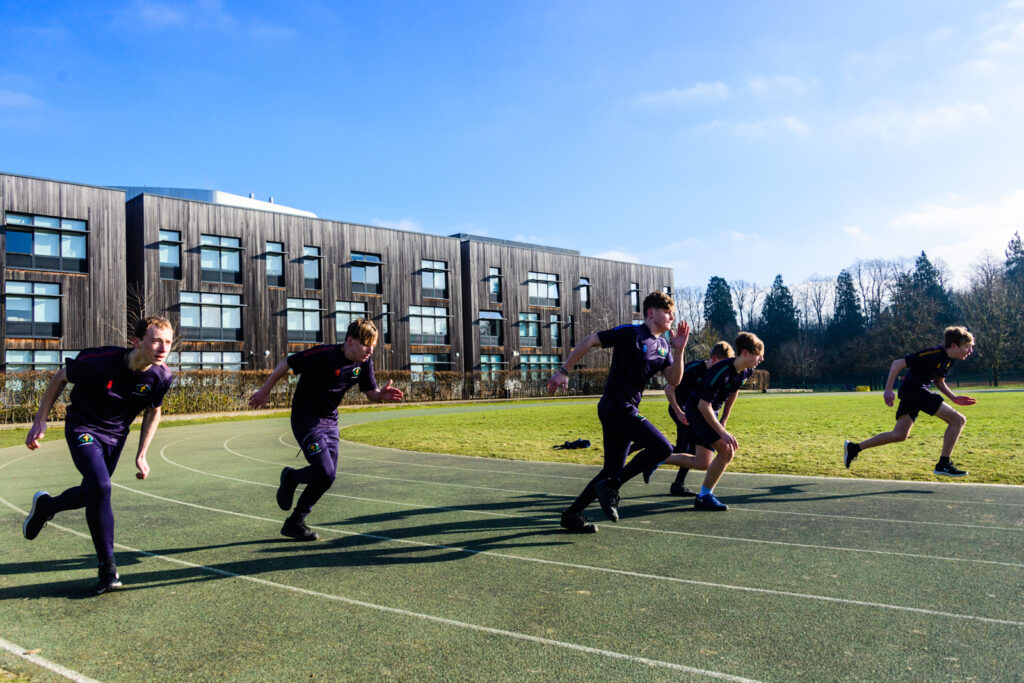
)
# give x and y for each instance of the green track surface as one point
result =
(442, 567)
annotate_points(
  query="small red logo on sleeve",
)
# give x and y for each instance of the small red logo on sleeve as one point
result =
(110, 384)
(337, 373)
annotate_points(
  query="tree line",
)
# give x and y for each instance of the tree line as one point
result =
(847, 329)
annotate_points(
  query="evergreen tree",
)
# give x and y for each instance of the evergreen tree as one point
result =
(847, 321)
(718, 311)
(1015, 261)
(926, 283)
(778, 315)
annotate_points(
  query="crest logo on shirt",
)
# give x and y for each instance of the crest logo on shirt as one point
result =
(142, 389)
(662, 352)
(355, 373)
(84, 438)
(314, 447)
(645, 348)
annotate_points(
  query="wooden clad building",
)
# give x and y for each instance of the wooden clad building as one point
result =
(246, 287)
(62, 259)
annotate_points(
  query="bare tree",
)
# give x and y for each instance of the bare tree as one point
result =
(690, 306)
(747, 296)
(989, 312)
(820, 296)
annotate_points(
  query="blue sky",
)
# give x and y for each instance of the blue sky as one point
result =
(739, 139)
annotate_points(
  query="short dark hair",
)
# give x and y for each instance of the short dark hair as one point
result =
(143, 324)
(957, 335)
(658, 300)
(362, 330)
(723, 350)
(749, 342)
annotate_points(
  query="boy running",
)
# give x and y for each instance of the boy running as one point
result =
(923, 368)
(112, 385)
(678, 397)
(639, 351)
(325, 373)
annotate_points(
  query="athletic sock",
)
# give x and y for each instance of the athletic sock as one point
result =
(704, 491)
(681, 476)
(943, 461)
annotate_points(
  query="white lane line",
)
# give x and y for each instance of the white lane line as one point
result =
(45, 663)
(391, 610)
(767, 591)
(738, 539)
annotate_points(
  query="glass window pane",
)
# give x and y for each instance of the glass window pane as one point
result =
(275, 246)
(232, 357)
(47, 310)
(209, 259)
(211, 317)
(69, 224)
(209, 298)
(229, 261)
(171, 235)
(230, 299)
(190, 297)
(311, 269)
(49, 357)
(275, 265)
(230, 242)
(19, 309)
(294, 320)
(47, 244)
(311, 320)
(209, 240)
(18, 219)
(19, 242)
(47, 222)
(72, 246)
(190, 316)
(232, 318)
(14, 287)
(20, 357)
(169, 255)
(373, 276)
(311, 304)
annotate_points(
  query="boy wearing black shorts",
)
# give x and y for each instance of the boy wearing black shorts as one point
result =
(325, 373)
(678, 397)
(112, 385)
(923, 368)
(639, 351)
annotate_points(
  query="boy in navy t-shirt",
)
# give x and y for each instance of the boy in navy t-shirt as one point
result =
(639, 351)
(325, 373)
(112, 385)
(678, 397)
(923, 368)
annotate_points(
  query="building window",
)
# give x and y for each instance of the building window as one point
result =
(428, 325)
(490, 365)
(46, 243)
(211, 317)
(344, 313)
(206, 360)
(219, 259)
(365, 273)
(585, 292)
(543, 289)
(23, 360)
(529, 329)
(33, 309)
(494, 285)
(424, 365)
(634, 296)
(540, 366)
(303, 320)
(311, 267)
(434, 276)
(274, 255)
(666, 290)
(572, 332)
(555, 325)
(385, 324)
(170, 254)
(490, 328)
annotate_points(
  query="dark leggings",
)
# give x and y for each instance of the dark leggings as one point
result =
(96, 461)
(621, 427)
(321, 450)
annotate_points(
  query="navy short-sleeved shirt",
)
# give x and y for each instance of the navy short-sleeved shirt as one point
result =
(107, 395)
(693, 376)
(721, 380)
(926, 366)
(636, 356)
(325, 374)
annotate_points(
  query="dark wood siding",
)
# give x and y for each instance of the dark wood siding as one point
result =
(93, 306)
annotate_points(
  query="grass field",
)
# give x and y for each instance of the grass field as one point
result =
(778, 433)
(444, 567)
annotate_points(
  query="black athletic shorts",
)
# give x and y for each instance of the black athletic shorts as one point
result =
(701, 433)
(916, 399)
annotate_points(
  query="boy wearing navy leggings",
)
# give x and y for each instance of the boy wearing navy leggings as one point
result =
(325, 373)
(112, 385)
(639, 351)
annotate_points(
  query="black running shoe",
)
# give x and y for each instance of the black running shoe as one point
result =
(37, 517)
(709, 502)
(285, 491)
(680, 489)
(850, 451)
(575, 523)
(608, 498)
(648, 472)
(298, 530)
(109, 578)
(949, 470)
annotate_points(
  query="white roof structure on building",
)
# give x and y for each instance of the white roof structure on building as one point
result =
(211, 197)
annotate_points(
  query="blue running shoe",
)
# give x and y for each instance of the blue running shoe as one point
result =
(709, 502)
(608, 498)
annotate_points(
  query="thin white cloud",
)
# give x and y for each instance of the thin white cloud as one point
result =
(700, 92)
(790, 124)
(780, 85)
(18, 100)
(156, 15)
(917, 125)
(854, 231)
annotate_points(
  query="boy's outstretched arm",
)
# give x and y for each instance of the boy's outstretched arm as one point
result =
(260, 396)
(388, 393)
(561, 376)
(53, 389)
(940, 384)
(894, 370)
